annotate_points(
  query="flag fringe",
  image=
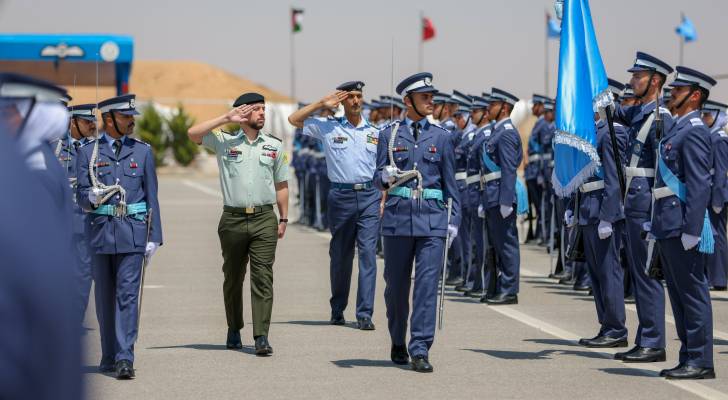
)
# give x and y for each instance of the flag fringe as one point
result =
(573, 141)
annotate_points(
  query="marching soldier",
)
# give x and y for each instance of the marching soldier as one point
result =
(598, 212)
(501, 155)
(117, 185)
(681, 224)
(253, 177)
(416, 165)
(82, 128)
(714, 116)
(648, 76)
(350, 147)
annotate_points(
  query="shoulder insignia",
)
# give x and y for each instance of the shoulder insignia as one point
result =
(389, 125)
(664, 110)
(722, 133)
(508, 126)
(696, 122)
(273, 137)
(141, 141)
(88, 142)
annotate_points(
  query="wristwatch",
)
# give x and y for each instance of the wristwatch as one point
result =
(283, 220)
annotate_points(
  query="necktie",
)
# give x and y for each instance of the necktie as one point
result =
(416, 129)
(117, 147)
(76, 145)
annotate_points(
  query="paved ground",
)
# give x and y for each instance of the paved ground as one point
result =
(523, 351)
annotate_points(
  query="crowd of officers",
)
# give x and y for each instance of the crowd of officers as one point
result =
(649, 215)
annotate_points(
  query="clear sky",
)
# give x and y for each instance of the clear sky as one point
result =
(479, 43)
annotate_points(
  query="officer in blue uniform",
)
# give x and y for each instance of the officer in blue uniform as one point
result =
(460, 253)
(117, 185)
(416, 165)
(545, 138)
(350, 147)
(533, 168)
(648, 76)
(599, 213)
(473, 196)
(82, 127)
(681, 224)
(715, 118)
(440, 111)
(501, 155)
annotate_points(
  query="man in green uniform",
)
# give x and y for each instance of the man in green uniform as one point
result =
(253, 176)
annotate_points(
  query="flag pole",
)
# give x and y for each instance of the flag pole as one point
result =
(682, 41)
(293, 62)
(546, 58)
(422, 43)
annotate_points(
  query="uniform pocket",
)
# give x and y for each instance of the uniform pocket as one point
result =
(668, 213)
(639, 197)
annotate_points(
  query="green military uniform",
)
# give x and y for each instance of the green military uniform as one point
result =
(248, 228)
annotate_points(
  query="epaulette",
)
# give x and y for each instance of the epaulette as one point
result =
(441, 127)
(141, 141)
(665, 110)
(508, 126)
(273, 137)
(389, 125)
(722, 133)
(88, 142)
(696, 122)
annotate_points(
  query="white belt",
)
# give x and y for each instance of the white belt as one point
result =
(551, 164)
(631, 172)
(534, 158)
(319, 156)
(547, 156)
(492, 176)
(662, 192)
(591, 186)
(472, 179)
(460, 176)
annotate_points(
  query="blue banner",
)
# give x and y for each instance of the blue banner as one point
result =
(582, 83)
(687, 30)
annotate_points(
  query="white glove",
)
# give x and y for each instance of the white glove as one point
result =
(388, 174)
(717, 210)
(94, 196)
(505, 211)
(689, 241)
(604, 230)
(151, 249)
(647, 226)
(569, 218)
(481, 211)
(452, 233)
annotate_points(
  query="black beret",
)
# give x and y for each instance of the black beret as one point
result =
(249, 98)
(351, 86)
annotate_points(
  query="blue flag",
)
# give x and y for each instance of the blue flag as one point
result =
(553, 29)
(686, 29)
(582, 83)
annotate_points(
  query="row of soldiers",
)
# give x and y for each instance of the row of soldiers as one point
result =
(103, 188)
(651, 211)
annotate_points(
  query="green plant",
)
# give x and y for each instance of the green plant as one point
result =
(151, 130)
(183, 148)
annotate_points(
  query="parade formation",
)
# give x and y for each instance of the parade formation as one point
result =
(439, 184)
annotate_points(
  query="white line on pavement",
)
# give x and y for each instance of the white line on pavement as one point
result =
(646, 369)
(202, 188)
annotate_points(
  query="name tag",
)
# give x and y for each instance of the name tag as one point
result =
(233, 153)
(340, 139)
(271, 154)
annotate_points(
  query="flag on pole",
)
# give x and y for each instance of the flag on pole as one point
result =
(582, 85)
(553, 28)
(296, 19)
(686, 29)
(428, 29)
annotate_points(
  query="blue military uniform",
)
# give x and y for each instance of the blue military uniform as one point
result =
(67, 150)
(718, 261)
(118, 235)
(501, 155)
(415, 223)
(461, 139)
(681, 225)
(353, 207)
(640, 163)
(532, 173)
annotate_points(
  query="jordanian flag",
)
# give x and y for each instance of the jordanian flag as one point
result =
(296, 19)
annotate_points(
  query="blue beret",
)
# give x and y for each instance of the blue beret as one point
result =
(351, 86)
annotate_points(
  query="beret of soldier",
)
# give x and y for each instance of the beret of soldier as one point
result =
(351, 86)
(249, 98)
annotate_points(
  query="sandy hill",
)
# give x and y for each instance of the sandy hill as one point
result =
(205, 90)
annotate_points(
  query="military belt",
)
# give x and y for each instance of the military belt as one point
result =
(492, 176)
(632, 172)
(352, 186)
(134, 210)
(459, 176)
(248, 210)
(472, 179)
(534, 157)
(408, 193)
(591, 186)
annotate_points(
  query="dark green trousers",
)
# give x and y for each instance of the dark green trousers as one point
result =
(243, 238)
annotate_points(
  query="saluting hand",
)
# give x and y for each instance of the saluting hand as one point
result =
(333, 100)
(240, 114)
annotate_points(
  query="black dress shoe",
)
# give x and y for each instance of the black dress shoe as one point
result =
(106, 368)
(488, 296)
(233, 340)
(584, 341)
(421, 364)
(664, 372)
(581, 288)
(568, 281)
(620, 355)
(561, 275)
(719, 288)
(475, 294)
(124, 369)
(262, 347)
(690, 372)
(461, 288)
(645, 354)
(502, 299)
(604, 342)
(338, 320)
(365, 324)
(453, 282)
(399, 355)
